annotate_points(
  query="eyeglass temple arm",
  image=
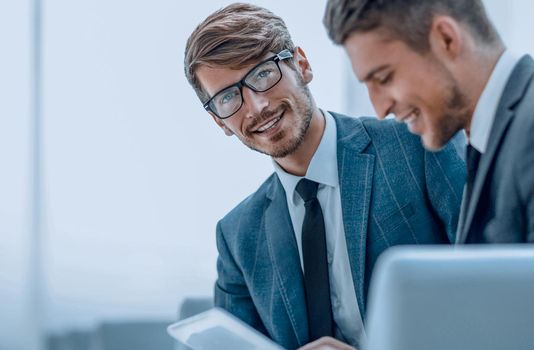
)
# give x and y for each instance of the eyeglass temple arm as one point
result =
(284, 54)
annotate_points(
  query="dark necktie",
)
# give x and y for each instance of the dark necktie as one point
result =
(472, 159)
(315, 263)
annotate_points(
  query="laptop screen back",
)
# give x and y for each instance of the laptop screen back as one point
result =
(444, 298)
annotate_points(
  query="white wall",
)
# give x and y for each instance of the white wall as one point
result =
(513, 20)
(16, 293)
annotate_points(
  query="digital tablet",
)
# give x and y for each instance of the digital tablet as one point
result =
(218, 329)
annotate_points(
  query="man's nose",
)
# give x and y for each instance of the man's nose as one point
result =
(254, 102)
(382, 102)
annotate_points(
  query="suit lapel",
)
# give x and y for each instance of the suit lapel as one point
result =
(285, 261)
(356, 178)
(513, 92)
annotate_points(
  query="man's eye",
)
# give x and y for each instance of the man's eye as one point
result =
(263, 73)
(227, 97)
(385, 79)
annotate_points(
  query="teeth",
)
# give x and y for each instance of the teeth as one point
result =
(410, 118)
(269, 125)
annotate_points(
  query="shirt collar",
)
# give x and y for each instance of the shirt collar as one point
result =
(323, 165)
(486, 107)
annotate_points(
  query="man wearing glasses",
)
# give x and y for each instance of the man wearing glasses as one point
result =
(295, 257)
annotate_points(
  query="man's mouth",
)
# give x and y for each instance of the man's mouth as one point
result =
(409, 117)
(269, 124)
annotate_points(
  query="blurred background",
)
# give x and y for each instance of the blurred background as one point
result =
(112, 176)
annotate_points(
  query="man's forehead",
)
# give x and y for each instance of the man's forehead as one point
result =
(213, 79)
(369, 51)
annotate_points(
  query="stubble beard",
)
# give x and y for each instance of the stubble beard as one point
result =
(302, 109)
(454, 117)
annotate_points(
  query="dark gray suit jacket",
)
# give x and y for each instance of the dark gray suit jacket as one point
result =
(501, 209)
(392, 192)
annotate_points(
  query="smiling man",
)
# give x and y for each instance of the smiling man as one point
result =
(440, 66)
(296, 256)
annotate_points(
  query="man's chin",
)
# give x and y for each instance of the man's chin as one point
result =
(274, 152)
(280, 151)
(432, 143)
(283, 152)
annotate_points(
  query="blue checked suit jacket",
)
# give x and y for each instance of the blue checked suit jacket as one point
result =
(392, 192)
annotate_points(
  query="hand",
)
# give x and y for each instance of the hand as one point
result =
(327, 343)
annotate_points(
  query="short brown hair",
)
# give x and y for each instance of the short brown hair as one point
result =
(407, 20)
(237, 35)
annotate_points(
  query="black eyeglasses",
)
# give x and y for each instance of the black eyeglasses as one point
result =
(260, 78)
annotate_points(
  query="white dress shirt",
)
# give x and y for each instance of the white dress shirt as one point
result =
(323, 169)
(486, 107)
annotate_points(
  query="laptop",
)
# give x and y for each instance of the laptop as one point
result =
(447, 298)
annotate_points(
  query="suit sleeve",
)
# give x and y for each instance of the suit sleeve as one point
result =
(231, 291)
(445, 175)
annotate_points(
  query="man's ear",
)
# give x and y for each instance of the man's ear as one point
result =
(447, 38)
(221, 124)
(303, 65)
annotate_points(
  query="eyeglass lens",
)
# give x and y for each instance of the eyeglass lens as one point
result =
(260, 79)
